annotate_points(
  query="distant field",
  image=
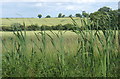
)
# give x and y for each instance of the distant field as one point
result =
(39, 21)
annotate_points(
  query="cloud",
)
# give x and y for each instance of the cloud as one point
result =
(73, 7)
(70, 8)
(79, 6)
(38, 4)
(76, 1)
(59, 3)
(47, 4)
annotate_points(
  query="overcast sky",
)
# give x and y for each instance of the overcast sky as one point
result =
(23, 8)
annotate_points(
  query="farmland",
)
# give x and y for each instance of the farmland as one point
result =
(60, 54)
(52, 47)
(7, 22)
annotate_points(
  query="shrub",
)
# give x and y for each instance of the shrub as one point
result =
(44, 27)
(17, 26)
(68, 26)
(33, 27)
(78, 15)
(4, 28)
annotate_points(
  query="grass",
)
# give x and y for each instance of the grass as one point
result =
(0, 57)
(82, 53)
(60, 54)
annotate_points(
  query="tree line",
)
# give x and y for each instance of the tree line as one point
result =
(60, 15)
(103, 19)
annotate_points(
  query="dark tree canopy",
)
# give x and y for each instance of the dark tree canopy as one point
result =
(48, 16)
(105, 9)
(70, 15)
(39, 15)
(105, 18)
(78, 15)
(59, 15)
(84, 14)
(63, 15)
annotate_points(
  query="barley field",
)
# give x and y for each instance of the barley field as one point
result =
(88, 53)
(7, 22)
(75, 43)
(60, 53)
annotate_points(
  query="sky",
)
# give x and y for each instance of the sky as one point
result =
(31, 8)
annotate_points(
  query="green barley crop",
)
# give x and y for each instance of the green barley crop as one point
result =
(92, 53)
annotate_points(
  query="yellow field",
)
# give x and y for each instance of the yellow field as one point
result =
(39, 21)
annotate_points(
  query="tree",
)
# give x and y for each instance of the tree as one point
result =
(114, 18)
(59, 15)
(84, 14)
(70, 15)
(39, 15)
(105, 9)
(105, 19)
(48, 16)
(100, 20)
(63, 15)
(78, 15)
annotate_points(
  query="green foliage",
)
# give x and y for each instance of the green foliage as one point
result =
(80, 53)
(58, 27)
(105, 9)
(53, 54)
(84, 14)
(44, 27)
(100, 18)
(105, 19)
(37, 27)
(17, 26)
(63, 16)
(48, 16)
(33, 27)
(59, 15)
(70, 15)
(7, 29)
(39, 15)
(114, 15)
(78, 15)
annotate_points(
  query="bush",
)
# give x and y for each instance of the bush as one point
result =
(4, 28)
(44, 27)
(33, 27)
(63, 27)
(59, 27)
(17, 26)
(68, 27)
(78, 15)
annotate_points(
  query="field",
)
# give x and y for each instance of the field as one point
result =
(87, 53)
(39, 21)
(75, 53)
(83, 45)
